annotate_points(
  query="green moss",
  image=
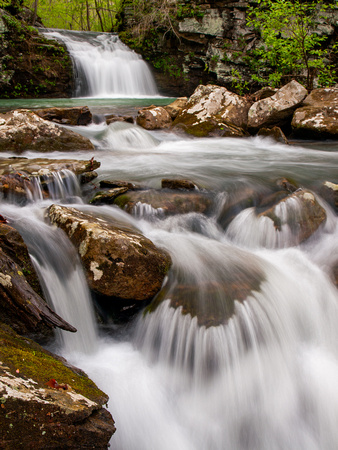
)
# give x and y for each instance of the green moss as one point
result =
(34, 362)
(122, 200)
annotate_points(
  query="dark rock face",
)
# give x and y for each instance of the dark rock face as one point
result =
(119, 263)
(21, 306)
(55, 406)
(78, 115)
(31, 66)
(22, 130)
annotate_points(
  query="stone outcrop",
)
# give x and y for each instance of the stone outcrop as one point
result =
(22, 130)
(119, 263)
(318, 116)
(46, 403)
(214, 111)
(77, 115)
(153, 118)
(21, 306)
(275, 110)
(300, 212)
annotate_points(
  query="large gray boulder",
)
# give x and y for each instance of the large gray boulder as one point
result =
(22, 130)
(214, 111)
(275, 110)
(118, 262)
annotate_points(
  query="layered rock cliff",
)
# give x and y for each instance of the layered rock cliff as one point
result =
(204, 41)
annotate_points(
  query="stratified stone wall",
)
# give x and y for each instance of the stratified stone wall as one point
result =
(211, 45)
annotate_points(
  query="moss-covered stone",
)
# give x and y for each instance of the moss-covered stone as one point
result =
(45, 402)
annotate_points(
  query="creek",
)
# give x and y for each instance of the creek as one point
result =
(264, 380)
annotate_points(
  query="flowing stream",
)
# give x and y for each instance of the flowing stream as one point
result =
(266, 379)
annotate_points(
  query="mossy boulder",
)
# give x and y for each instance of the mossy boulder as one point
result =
(119, 262)
(45, 402)
(311, 122)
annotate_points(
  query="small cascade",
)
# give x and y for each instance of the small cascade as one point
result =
(63, 185)
(60, 273)
(104, 66)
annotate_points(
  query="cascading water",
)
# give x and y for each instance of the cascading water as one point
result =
(104, 66)
(254, 365)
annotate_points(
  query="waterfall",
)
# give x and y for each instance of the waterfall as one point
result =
(105, 67)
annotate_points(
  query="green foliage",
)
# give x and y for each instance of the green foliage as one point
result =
(238, 83)
(291, 46)
(88, 15)
(168, 65)
(191, 10)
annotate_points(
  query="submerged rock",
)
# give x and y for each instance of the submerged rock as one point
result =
(275, 110)
(210, 296)
(187, 185)
(214, 111)
(46, 403)
(22, 130)
(119, 263)
(166, 202)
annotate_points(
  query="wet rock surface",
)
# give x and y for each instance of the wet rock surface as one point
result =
(166, 202)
